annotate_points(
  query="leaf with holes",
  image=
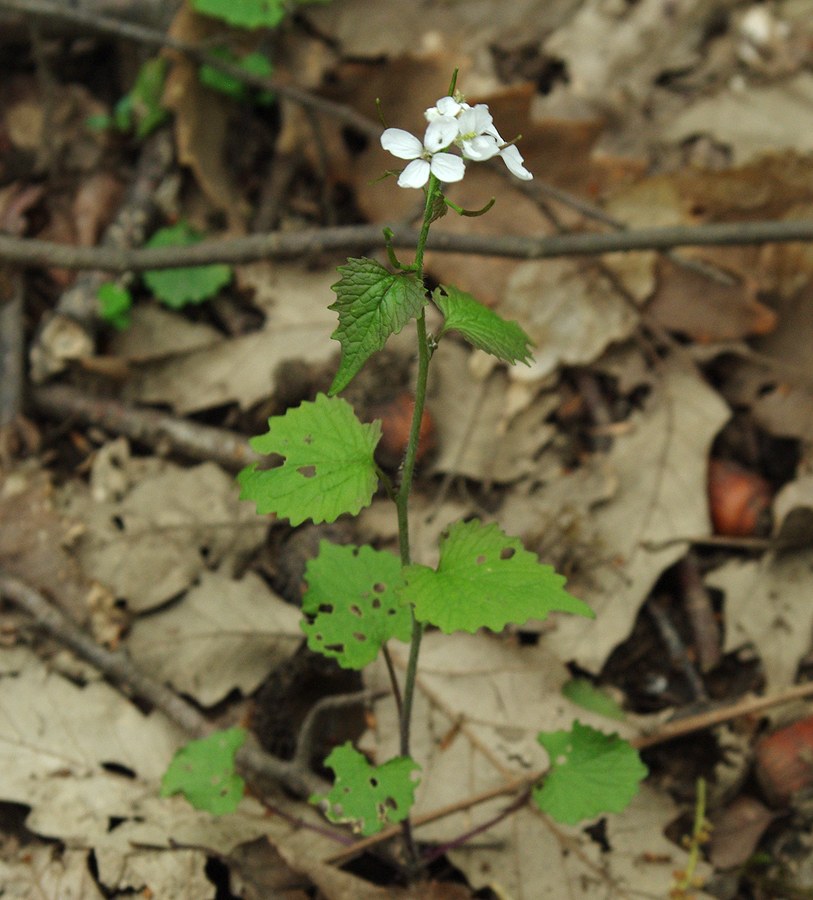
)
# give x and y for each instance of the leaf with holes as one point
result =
(372, 304)
(590, 773)
(369, 797)
(485, 579)
(351, 607)
(328, 468)
(481, 326)
(203, 771)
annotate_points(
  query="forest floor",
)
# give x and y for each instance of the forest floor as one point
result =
(657, 452)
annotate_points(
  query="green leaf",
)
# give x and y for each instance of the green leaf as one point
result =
(203, 771)
(146, 96)
(328, 469)
(485, 579)
(591, 773)
(244, 13)
(370, 797)
(178, 287)
(585, 694)
(351, 606)
(141, 106)
(253, 63)
(115, 303)
(372, 304)
(481, 326)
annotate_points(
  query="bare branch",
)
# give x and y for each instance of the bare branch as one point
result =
(287, 245)
(157, 430)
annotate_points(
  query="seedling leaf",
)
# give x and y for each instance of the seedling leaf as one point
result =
(372, 304)
(370, 797)
(244, 13)
(203, 771)
(351, 607)
(583, 693)
(485, 579)
(115, 303)
(328, 468)
(590, 773)
(178, 287)
(253, 63)
(481, 326)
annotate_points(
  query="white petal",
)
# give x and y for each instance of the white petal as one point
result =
(415, 175)
(401, 143)
(475, 120)
(448, 106)
(447, 167)
(440, 133)
(513, 159)
(482, 147)
(482, 118)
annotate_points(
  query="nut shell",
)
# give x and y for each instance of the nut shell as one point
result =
(396, 419)
(739, 500)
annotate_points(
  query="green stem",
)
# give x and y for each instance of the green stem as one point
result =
(402, 496)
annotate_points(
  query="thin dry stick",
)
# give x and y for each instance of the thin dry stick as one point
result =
(158, 430)
(259, 766)
(307, 732)
(12, 341)
(668, 732)
(287, 245)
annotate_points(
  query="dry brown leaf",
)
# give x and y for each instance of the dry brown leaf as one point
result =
(202, 118)
(767, 606)
(93, 206)
(36, 539)
(616, 524)
(706, 310)
(245, 369)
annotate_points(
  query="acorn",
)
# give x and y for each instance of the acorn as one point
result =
(396, 419)
(784, 760)
(739, 500)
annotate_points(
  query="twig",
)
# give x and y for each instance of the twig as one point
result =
(11, 348)
(307, 732)
(517, 803)
(128, 228)
(597, 214)
(697, 603)
(151, 37)
(658, 610)
(117, 666)
(77, 309)
(155, 429)
(282, 245)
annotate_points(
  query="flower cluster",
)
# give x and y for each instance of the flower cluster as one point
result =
(452, 123)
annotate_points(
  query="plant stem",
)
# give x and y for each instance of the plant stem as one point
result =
(402, 497)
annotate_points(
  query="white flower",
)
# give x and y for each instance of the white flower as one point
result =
(451, 122)
(480, 140)
(446, 106)
(513, 159)
(427, 157)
